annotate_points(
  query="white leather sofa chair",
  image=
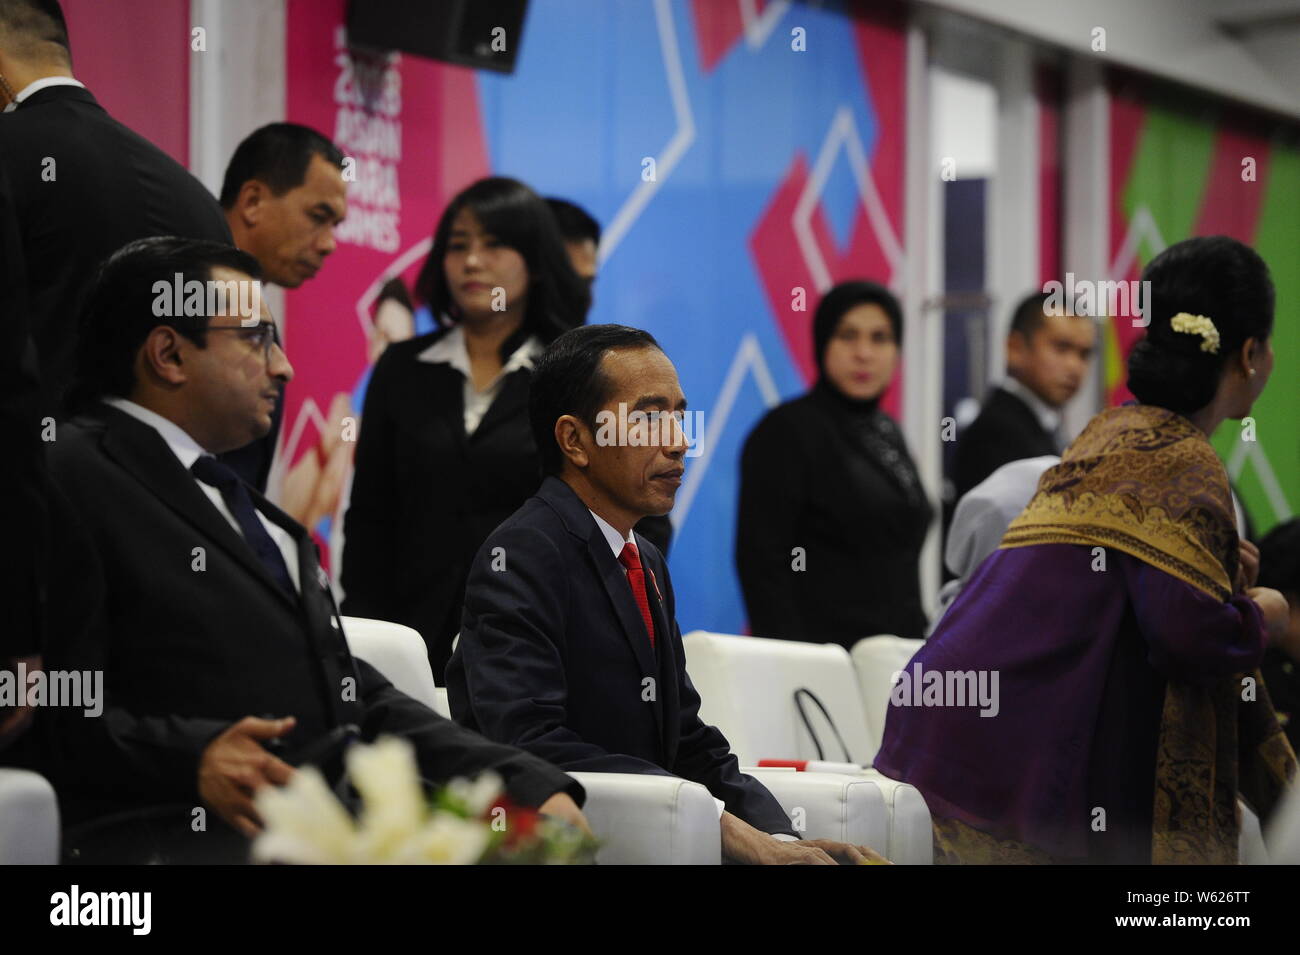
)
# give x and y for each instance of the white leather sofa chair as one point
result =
(1251, 848)
(830, 805)
(651, 820)
(641, 819)
(875, 661)
(29, 819)
(399, 653)
(747, 688)
(1282, 837)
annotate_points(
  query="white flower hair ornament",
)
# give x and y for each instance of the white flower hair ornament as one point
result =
(1197, 325)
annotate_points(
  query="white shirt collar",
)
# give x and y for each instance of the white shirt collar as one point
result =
(183, 446)
(612, 536)
(451, 349)
(1047, 416)
(38, 85)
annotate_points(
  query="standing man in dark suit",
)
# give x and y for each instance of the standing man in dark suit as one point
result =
(569, 646)
(1047, 359)
(84, 185)
(283, 195)
(23, 479)
(202, 603)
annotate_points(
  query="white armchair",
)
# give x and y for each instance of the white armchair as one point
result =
(875, 661)
(747, 689)
(651, 820)
(399, 653)
(29, 819)
(641, 819)
(830, 805)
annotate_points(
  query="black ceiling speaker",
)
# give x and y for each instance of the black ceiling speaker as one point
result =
(480, 33)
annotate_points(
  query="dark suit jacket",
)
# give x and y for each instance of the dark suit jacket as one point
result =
(554, 658)
(110, 187)
(827, 476)
(1006, 430)
(22, 478)
(425, 496)
(187, 651)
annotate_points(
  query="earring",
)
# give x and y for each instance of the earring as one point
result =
(1252, 373)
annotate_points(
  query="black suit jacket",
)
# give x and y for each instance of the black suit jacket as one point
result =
(22, 478)
(554, 658)
(425, 495)
(188, 649)
(1006, 430)
(110, 186)
(833, 483)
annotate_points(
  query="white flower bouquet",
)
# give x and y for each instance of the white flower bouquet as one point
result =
(467, 822)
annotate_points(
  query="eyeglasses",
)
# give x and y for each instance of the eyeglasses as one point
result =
(263, 335)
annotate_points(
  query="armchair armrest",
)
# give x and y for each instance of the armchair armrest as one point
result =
(651, 820)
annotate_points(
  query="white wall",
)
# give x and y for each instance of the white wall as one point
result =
(1180, 40)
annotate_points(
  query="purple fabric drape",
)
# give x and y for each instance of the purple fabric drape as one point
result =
(1052, 628)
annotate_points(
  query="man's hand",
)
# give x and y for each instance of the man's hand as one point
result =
(845, 853)
(742, 843)
(235, 766)
(1248, 567)
(1276, 611)
(562, 806)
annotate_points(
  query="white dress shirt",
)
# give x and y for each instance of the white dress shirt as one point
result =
(451, 349)
(187, 451)
(38, 85)
(615, 539)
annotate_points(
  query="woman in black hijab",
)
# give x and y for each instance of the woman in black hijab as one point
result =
(832, 512)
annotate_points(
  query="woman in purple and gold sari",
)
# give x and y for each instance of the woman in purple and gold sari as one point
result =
(1118, 624)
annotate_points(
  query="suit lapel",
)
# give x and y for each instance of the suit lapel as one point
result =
(667, 652)
(629, 615)
(510, 401)
(1025, 417)
(620, 595)
(140, 450)
(579, 522)
(442, 392)
(317, 605)
(311, 576)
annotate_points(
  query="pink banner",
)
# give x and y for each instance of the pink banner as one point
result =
(411, 132)
(128, 50)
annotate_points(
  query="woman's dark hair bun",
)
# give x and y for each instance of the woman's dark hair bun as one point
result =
(1215, 276)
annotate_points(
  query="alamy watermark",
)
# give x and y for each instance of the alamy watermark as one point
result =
(82, 689)
(1092, 299)
(644, 429)
(195, 299)
(921, 687)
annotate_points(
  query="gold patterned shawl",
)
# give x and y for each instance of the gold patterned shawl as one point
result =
(1147, 482)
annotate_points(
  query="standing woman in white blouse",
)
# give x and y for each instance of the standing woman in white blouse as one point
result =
(445, 450)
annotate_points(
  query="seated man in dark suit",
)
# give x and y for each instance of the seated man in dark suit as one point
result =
(1047, 358)
(569, 647)
(202, 603)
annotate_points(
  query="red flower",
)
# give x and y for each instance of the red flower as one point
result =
(521, 822)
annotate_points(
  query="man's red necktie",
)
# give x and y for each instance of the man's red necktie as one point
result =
(631, 559)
